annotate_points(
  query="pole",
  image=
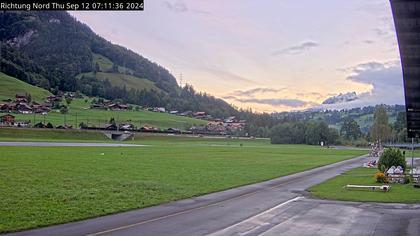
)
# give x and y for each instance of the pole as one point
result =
(412, 153)
(76, 122)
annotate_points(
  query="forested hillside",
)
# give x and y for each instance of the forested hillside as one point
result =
(54, 51)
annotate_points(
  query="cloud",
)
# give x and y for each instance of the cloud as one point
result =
(297, 49)
(227, 75)
(249, 96)
(294, 103)
(368, 41)
(379, 75)
(381, 32)
(252, 92)
(386, 83)
(178, 6)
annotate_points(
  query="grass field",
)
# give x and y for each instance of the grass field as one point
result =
(14, 134)
(106, 65)
(50, 185)
(121, 80)
(79, 112)
(333, 189)
(10, 86)
(118, 79)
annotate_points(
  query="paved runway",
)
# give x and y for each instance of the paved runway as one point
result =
(58, 144)
(275, 207)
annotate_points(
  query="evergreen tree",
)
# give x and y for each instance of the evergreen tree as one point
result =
(380, 131)
(401, 122)
(350, 129)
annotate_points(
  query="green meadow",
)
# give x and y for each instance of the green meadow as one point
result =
(51, 185)
(79, 112)
(79, 108)
(10, 86)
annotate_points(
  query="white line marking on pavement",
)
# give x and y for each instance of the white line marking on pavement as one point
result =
(253, 219)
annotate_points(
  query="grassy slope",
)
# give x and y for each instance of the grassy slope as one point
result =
(78, 110)
(10, 86)
(50, 185)
(105, 64)
(119, 80)
(333, 189)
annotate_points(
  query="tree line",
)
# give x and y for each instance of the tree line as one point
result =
(310, 132)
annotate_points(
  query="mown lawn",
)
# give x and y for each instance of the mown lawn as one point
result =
(49, 185)
(55, 135)
(333, 189)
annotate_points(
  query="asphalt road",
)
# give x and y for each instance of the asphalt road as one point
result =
(276, 207)
(65, 144)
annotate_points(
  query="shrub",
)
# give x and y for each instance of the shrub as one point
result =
(381, 178)
(83, 125)
(407, 180)
(391, 157)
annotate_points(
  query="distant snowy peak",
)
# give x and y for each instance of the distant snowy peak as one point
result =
(341, 98)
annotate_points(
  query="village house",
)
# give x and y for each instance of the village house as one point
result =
(40, 109)
(21, 100)
(111, 127)
(53, 98)
(97, 106)
(126, 127)
(22, 123)
(216, 127)
(4, 107)
(23, 108)
(149, 129)
(173, 112)
(174, 131)
(64, 127)
(159, 109)
(117, 107)
(230, 119)
(186, 113)
(198, 129)
(7, 119)
(200, 115)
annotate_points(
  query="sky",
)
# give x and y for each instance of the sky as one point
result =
(267, 55)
